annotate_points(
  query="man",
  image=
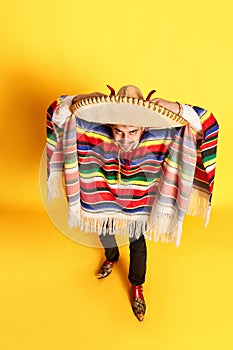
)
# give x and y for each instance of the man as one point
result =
(130, 167)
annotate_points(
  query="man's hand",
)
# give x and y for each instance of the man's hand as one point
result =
(176, 108)
(84, 96)
(172, 106)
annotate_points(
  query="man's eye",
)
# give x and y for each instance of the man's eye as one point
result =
(133, 132)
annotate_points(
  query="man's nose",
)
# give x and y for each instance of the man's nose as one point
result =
(125, 138)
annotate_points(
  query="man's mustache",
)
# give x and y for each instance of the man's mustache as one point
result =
(124, 143)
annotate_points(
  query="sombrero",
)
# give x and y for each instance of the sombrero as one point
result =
(127, 107)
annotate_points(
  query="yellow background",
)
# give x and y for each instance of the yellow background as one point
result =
(50, 298)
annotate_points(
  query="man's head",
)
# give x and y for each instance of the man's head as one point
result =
(127, 136)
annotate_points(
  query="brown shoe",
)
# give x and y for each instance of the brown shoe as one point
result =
(105, 269)
(138, 302)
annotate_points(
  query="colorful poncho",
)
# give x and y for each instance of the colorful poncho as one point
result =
(149, 189)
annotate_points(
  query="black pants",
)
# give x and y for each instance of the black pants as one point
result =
(137, 248)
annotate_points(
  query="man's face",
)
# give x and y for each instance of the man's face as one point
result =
(127, 136)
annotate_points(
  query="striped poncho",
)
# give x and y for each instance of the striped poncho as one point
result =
(149, 189)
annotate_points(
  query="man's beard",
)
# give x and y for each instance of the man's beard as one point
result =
(127, 147)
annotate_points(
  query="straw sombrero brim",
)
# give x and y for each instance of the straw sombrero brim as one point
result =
(126, 111)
